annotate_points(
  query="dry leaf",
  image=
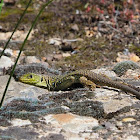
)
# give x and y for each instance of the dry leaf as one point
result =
(134, 57)
(89, 33)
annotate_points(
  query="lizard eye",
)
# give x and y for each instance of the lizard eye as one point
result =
(41, 79)
(30, 76)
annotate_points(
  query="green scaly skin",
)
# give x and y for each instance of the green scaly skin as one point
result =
(85, 77)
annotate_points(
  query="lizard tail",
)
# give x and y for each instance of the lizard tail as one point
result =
(101, 79)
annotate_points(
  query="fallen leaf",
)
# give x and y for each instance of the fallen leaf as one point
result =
(134, 57)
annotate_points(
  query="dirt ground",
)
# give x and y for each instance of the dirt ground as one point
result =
(90, 22)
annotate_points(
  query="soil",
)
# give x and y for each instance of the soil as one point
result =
(99, 46)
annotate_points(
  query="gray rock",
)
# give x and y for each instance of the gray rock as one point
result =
(122, 67)
(19, 90)
(5, 62)
(71, 125)
(30, 59)
(114, 107)
(75, 27)
(7, 52)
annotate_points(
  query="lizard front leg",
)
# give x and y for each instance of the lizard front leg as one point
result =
(87, 83)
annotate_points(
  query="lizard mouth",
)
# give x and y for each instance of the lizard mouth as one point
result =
(28, 81)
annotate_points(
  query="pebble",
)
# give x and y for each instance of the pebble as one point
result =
(54, 41)
(19, 122)
(75, 27)
(57, 57)
(18, 35)
(131, 137)
(66, 54)
(128, 120)
(7, 52)
(110, 126)
(31, 59)
(5, 62)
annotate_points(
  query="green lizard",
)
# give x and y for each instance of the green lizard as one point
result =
(85, 77)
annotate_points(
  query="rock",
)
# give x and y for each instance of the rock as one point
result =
(71, 124)
(110, 126)
(19, 122)
(18, 35)
(1, 28)
(7, 52)
(66, 54)
(9, 2)
(132, 74)
(53, 136)
(36, 113)
(55, 41)
(113, 107)
(122, 67)
(30, 59)
(49, 58)
(87, 108)
(5, 62)
(52, 127)
(16, 52)
(57, 57)
(19, 90)
(131, 137)
(19, 133)
(75, 27)
(32, 113)
(66, 46)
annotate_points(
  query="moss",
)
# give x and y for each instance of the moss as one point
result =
(29, 53)
(134, 48)
(6, 13)
(92, 53)
(46, 17)
(77, 5)
(81, 61)
(23, 3)
(9, 11)
(122, 67)
(39, 48)
(117, 46)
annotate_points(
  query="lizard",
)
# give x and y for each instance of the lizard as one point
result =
(85, 77)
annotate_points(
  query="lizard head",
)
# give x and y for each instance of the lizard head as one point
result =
(30, 78)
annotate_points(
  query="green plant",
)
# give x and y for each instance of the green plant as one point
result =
(1, 4)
